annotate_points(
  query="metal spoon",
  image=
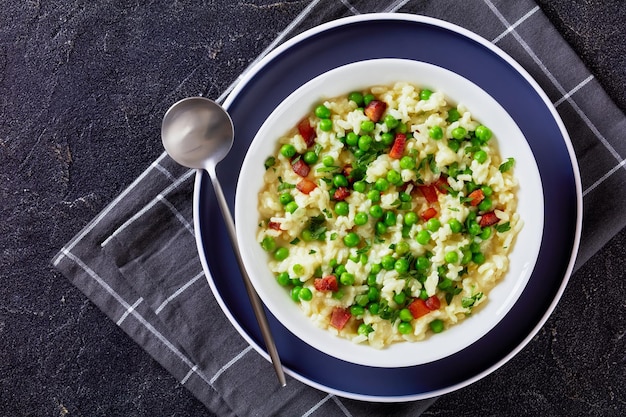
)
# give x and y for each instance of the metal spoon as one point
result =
(198, 133)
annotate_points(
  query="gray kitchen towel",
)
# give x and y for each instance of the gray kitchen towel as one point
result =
(138, 262)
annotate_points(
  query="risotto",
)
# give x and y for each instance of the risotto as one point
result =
(388, 214)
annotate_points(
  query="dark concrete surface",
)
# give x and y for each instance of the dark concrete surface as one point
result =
(79, 78)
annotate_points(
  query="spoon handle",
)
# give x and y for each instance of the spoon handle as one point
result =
(257, 305)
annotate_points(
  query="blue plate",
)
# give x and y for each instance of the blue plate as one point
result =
(423, 39)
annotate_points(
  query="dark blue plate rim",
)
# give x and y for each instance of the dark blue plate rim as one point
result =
(348, 40)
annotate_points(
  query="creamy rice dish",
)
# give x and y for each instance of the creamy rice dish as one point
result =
(388, 214)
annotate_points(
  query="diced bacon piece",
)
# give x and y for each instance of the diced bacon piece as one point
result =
(488, 219)
(418, 308)
(476, 197)
(307, 132)
(442, 184)
(429, 192)
(274, 225)
(397, 149)
(339, 318)
(347, 170)
(375, 109)
(328, 283)
(428, 214)
(300, 167)
(341, 193)
(305, 186)
(433, 302)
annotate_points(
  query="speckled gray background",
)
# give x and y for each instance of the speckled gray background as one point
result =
(78, 78)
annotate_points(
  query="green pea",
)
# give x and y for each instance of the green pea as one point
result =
(451, 257)
(455, 225)
(365, 142)
(285, 198)
(401, 128)
(410, 218)
(367, 98)
(436, 326)
(298, 269)
(405, 315)
(374, 308)
(390, 218)
(381, 184)
(373, 293)
(342, 208)
(306, 235)
(480, 156)
(405, 328)
(485, 205)
(357, 97)
(359, 186)
(283, 279)
(425, 94)
(367, 126)
(435, 132)
(474, 228)
(445, 284)
(388, 262)
(387, 138)
(394, 177)
(310, 157)
(391, 122)
(328, 161)
(288, 150)
(433, 224)
(407, 162)
(402, 248)
(326, 125)
(478, 258)
(422, 263)
(483, 133)
(364, 329)
(305, 294)
(423, 237)
(268, 244)
(381, 228)
(340, 180)
(352, 139)
(404, 197)
(487, 190)
(376, 268)
(291, 207)
(281, 254)
(322, 112)
(351, 240)
(453, 115)
(346, 278)
(486, 233)
(295, 293)
(360, 218)
(400, 297)
(401, 266)
(376, 211)
(459, 133)
(357, 310)
(454, 145)
(373, 196)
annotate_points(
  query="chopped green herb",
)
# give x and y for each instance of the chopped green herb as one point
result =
(507, 165)
(270, 162)
(504, 227)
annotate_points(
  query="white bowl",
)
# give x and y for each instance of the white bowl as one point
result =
(511, 143)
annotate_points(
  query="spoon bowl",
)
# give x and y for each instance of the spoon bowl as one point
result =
(198, 133)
